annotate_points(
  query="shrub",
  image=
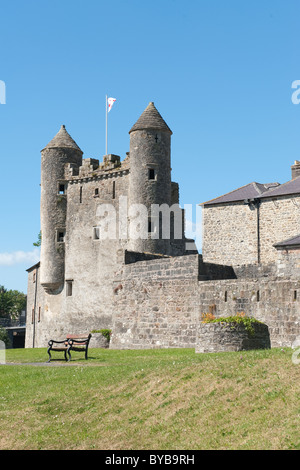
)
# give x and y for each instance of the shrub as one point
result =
(105, 332)
(4, 337)
(240, 319)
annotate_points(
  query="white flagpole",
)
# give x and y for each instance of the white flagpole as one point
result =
(106, 127)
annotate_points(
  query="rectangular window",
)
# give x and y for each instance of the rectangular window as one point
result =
(96, 192)
(34, 277)
(96, 233)
(61, 188)
(80, 195)
(32, 315)
(61, 236)
(151, 174)
(39, 314)
(114, 190)
(69, 288)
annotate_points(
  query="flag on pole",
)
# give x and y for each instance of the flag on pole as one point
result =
(110, 102)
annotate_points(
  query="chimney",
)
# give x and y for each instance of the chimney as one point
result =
(295, 169)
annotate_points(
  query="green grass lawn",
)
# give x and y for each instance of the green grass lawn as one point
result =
(166, 399)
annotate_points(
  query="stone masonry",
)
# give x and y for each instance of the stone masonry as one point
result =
(152, 290)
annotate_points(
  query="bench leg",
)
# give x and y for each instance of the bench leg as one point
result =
(69, 354)
(48, 351)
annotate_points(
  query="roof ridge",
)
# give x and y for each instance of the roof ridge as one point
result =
(281, 187)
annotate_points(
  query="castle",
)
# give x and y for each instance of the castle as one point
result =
(109, 260)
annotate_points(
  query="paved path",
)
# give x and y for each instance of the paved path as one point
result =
(46, 364)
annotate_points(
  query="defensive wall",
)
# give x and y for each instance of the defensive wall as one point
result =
(158, 303)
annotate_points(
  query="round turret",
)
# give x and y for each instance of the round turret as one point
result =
(61, 150)
(150, 177)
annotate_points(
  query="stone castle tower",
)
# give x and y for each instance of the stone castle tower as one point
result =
(61, 150)
(77, 265)
(150, 179)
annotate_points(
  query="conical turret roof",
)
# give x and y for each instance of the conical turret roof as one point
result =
(150, 119)
(62, 140)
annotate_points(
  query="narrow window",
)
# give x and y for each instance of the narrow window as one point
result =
(80, 195)
(295, 295)
(225, 298)
(69, 288)
(60, 236)
(96, 233)
(61, 189)
(114, 190)
(97, 192)
(34, 277)
(32, 315)
(39, 314)
(151, 174)
(257, 296)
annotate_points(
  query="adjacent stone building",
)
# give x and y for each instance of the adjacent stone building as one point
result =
(114, 253)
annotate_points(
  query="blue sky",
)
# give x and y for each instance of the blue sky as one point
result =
(220, 73)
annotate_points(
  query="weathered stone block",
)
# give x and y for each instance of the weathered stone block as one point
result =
(217, 337)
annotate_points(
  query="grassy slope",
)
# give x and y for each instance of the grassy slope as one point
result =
(151, 399)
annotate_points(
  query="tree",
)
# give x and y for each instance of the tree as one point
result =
(39, 240)
(12, 302)
(4, 337)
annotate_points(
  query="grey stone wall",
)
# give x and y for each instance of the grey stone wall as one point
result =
(230, 234)
(272, 302)
(288, 264)
(280, 220)
(224, 337)
(35, 309)
(158, 303)
(155, 314)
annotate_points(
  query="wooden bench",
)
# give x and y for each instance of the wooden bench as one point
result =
(71, 343)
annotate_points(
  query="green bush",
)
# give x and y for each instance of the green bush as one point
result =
(239, 319)
(4, 337)
(105, 332)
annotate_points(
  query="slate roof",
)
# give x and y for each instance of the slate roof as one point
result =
(150, 119)
(62, 140)
(258, 190)
(249, 191)
(291, 187)
(290, 242)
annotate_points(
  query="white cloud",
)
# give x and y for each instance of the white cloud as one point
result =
(18, 257)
